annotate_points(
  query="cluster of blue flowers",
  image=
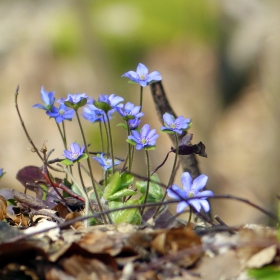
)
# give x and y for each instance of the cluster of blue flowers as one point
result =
(102, 109)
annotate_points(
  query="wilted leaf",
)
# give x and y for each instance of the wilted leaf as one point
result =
(173, 240)
(3, 207)
(31, 174)
(73, 215)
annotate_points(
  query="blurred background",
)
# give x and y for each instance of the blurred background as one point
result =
(220, 62)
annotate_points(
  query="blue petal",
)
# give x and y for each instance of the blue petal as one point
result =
(181, 206)
(205, 205)
(199, 182)
(186, 180)
(196, 204)
(204, 193)
(175, 192)
(145, 130)
(142, 70)
(168, 119)
(154, 76)
(130, 75)
(40, 106)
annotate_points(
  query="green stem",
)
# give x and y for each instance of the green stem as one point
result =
(107, 136)
(111, 142)
(62, 135)
(129, 149)
(81, 190)
(89, 167)
(101, 137)
(148, 181)
(83, 185)
(190, 216)
(172, 175)
(141, 97)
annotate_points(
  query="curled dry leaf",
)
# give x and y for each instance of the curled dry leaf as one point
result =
(3, 207)
(73, 215)
(173, 240)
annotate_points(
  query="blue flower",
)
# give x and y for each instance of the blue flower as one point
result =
(112, 100)
(75, 152)
(133, 124)
(106, 163)
(175, 125)
(2, 172)
(142, 77)
(47, 98)
(62, 113)
(76, 98)
(130, 111)
(191, 189)
(93, 114)
(145, 139)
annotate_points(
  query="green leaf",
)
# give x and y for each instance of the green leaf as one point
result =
(103, 106)
(155, 189)
(83, 156)
(127, 179)
(149, 148)
(130, 141)
(121, 193)
(123, 125)
(77, 105)
(67, 162)
(265, 273)
(76, 190)
(117, 182)
(131, 216)
(113, 185)
(92, 195)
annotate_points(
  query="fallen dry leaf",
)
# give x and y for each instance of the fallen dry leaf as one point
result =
(173, 240)
(3, 207)
(73, 215)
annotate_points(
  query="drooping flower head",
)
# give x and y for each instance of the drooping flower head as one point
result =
(146, 139)
(93, 114)
(142, 76)
(129, 111)
(134, 123)
(192, 188)
(75, 152)
(175, 125)
(76, 101)
(2, 173)
(108, 102)
(106, 163)
(62, 113)
(48, 100)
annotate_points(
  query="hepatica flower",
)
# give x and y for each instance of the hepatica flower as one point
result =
(48, 100)
(108, 102)
(142, 76)
(129, 111)
(76, 153)
(191, 188)
(76, 101)
(175, 125)
(146, 139)
(93, 114)
(134, 123)
(62, 113)
(106, 163)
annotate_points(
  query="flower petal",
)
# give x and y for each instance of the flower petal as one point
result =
(175, 192)
(142, 69)
(186, 180)
(168, 119)
(181, 206)
(205, 205)
(205, 193)
(199, 182)
(154, 76)
(195, 203)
